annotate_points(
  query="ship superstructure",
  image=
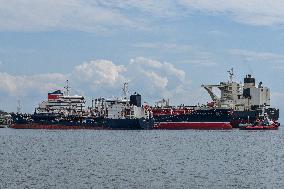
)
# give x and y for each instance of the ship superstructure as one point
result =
(248, 100)
(240, 97)
(60, 111)
(62, 103)
(124, 113)
(237, 104)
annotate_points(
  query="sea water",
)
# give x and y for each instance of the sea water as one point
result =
(141, 159)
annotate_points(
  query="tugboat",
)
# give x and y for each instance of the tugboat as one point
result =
(263, 123)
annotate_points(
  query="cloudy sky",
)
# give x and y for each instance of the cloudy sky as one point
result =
(164, 49)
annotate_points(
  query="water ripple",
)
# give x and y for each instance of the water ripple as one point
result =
(141, 159)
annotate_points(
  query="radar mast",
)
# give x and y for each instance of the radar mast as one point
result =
(67, 88)
(125, 90)
(231, 74)
(19, 107)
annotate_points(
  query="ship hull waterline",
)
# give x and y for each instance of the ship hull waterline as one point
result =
(193, 125)
(55, 127)
(162, 126)
(260, 127)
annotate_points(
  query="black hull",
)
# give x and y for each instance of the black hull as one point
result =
(53, 121)
(218, 115)
(210, 115)
(129, 124)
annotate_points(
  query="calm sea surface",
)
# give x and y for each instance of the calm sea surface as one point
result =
(141, 159)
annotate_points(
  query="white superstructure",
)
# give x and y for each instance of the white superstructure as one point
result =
(123, 109)
(120, 108)
(59, 102)
(240, 97)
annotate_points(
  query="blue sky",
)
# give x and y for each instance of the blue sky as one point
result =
(164, 49)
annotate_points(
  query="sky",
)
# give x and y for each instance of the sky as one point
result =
(163, 49)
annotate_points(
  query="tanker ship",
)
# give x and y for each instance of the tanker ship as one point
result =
(64, 111)
(238, 104)
(60, 111)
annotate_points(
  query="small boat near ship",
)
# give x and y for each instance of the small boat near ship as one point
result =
(259, 127)
(262, 123)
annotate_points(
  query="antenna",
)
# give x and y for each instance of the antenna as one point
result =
(19, 107)
(67, 88)
(125, 90)
(231, 74)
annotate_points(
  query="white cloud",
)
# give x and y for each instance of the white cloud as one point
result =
(157, 80)
(146, 62)
(165, 8)
(152, 78)
(161, 80)
(260, 56)
(100, 72)
(22, 85)
(160, 67)
(34, 15)
(253, 12)
(106, 16)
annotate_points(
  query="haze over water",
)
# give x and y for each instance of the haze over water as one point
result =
(141, 159)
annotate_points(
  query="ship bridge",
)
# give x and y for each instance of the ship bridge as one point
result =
(239, 97)
(230, 92)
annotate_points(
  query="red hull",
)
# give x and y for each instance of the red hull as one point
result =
(260, 127)
(53, 127)
(193, 125)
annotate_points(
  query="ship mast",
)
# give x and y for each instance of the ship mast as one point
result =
(19, 107)
(67, 88)
(125, 90)
(231, 74)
